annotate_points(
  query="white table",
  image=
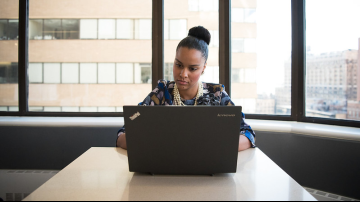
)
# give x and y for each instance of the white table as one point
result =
(102, 174)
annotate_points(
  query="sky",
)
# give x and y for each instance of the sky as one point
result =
(332, 25)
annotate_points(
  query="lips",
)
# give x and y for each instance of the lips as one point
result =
(182, 82)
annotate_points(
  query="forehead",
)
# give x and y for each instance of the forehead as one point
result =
(190, 56)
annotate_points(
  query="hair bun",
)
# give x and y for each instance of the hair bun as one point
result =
(201, 33)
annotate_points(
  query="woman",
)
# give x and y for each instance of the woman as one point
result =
(190, 63)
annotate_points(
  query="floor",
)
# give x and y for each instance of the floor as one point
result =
(15, 185)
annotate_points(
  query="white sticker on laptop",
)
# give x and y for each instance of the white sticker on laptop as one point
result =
(133, 117)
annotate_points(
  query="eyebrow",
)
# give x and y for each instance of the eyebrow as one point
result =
(189, 65)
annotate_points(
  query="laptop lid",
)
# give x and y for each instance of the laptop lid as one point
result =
(192, 140)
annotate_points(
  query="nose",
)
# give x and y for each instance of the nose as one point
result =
(184, 73)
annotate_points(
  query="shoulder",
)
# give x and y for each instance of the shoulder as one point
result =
(214, 87)
(162, 84)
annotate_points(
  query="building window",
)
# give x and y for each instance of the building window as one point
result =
(88, 29)
(35, 73)
(124, 73)
(243, 15)
(71, 29)
(52, 73)
(244, 45)
(107, 29)
(70, 73)
(175, 29)
(106, 73)
(88, 73)
(203, 5)
(143, 29)
(125, 29)
(143, 73)
(168, 73)
(9, 72)
(214, 42)
(3, 29)
(211, 74)
(36, 29)
(52, 29)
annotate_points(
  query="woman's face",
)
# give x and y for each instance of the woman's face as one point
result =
(189, 64)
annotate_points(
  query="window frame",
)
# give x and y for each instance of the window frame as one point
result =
(298, 64)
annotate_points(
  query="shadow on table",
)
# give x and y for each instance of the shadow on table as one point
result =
(160, 187)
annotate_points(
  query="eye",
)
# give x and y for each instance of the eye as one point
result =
(177, 65)
(193, 69)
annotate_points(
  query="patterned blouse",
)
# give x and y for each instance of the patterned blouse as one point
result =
(163, 95)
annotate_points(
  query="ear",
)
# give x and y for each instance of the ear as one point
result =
(204, 69)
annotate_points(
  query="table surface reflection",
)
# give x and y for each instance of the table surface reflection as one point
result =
(103, 174)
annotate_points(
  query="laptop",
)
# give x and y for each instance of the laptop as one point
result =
(175, 140)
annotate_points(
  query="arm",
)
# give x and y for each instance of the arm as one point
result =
(121, 141)
(244, 143)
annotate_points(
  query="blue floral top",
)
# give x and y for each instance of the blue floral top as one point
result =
(163, 95)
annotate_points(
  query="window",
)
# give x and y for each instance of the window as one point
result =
(35, 72)
(9, 30)
(203, 5)
(92, 58)
(52, 73)
(106, 73)
(88, 73)
(70, 73)
(36, 29)
(8, 73)
(124, 73)
(52, 29)
(168, 73)
(71, 29)
(244, 15)
(3, 29)
(106, 29)
(88, 29)
(125, 29)
(330, 64)
(13, 30)
(177, 29)
(261, 52)
(177, 24)
(143, 29)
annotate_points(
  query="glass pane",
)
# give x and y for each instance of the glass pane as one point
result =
(107, 29)
(106, 73)
(52, 29)
(101, 63)
(125, 29)
(35, 72)
(261, 53)
(71, 29)
(180, 17)
(88, 29)
(125, 73)
(3, 29)
(70, 73)
(9, 34)
(332, 60)
(52, 73)
(36, 29)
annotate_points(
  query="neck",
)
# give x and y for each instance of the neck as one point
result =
(189, 93)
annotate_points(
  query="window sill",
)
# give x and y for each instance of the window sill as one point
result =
(308, 129)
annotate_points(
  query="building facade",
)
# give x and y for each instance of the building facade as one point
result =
(95, 55)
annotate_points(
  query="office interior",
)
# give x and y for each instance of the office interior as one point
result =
(291, 64)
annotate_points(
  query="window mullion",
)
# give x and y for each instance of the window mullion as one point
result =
(298, 60)
(225, 44)
(157, 41)
(23, 55)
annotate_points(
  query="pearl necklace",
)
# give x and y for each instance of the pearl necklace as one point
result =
(177, 98)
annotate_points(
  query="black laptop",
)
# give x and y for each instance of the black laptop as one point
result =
(191, 140)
